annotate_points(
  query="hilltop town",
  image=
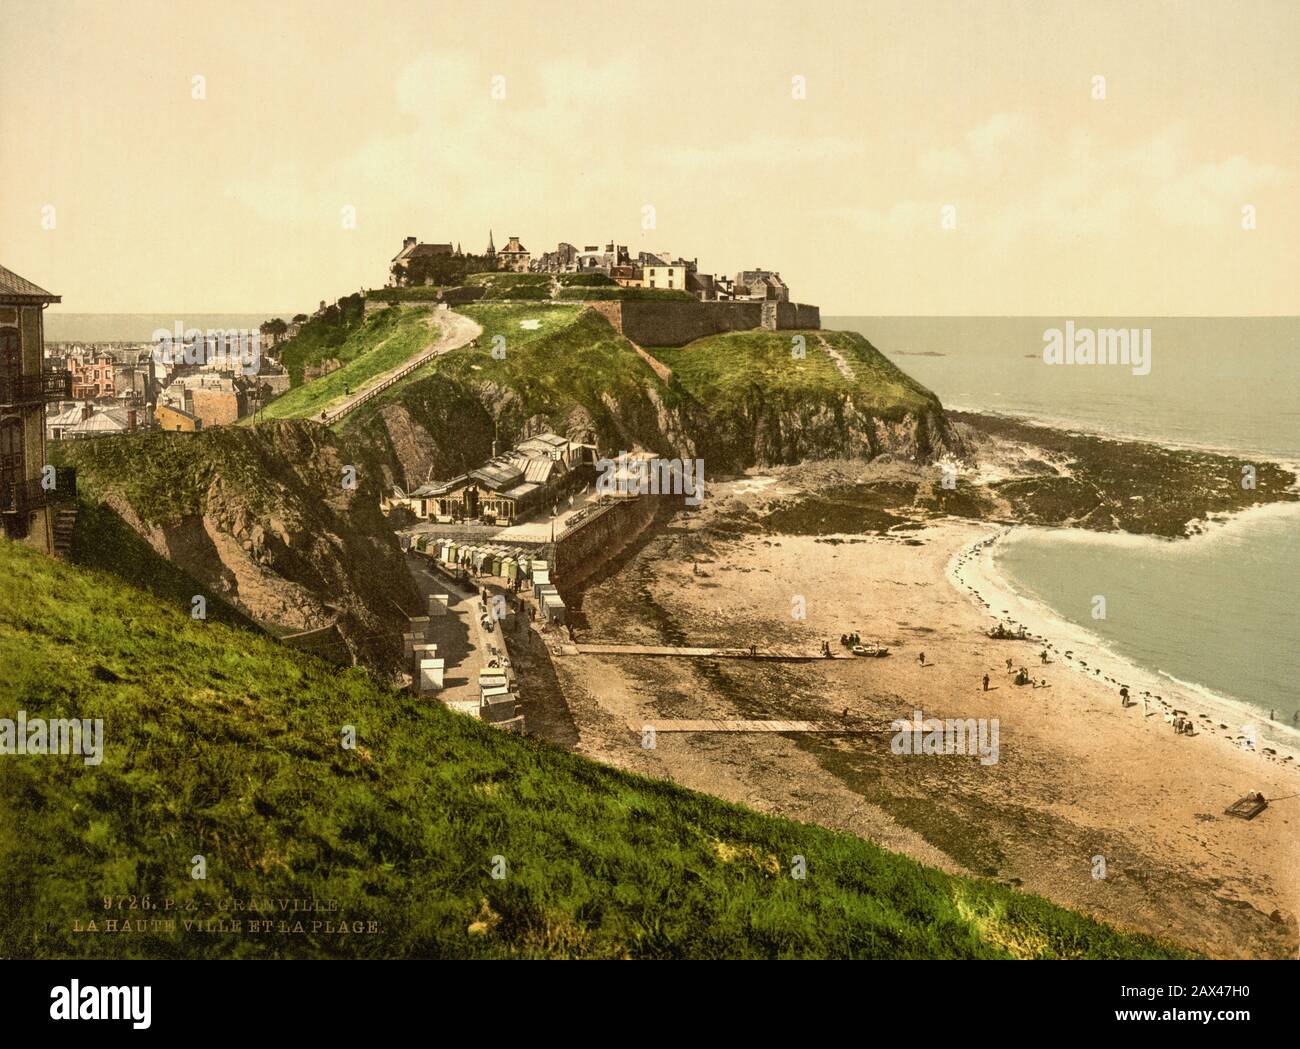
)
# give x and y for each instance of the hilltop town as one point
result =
(420, 263)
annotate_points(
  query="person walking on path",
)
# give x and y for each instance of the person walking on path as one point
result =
(986, 682)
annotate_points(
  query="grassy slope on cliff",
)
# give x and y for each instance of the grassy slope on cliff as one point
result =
(322, 336)
(384, 341)
(735, 371)
(567, 363)
(221, 743)
(277, 491)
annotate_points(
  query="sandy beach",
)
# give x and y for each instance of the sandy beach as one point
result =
(1078, 776)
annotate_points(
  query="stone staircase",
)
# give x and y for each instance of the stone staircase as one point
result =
(65, 521)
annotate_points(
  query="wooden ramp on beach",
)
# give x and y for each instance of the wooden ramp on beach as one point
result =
(783, 654)
(725, 725)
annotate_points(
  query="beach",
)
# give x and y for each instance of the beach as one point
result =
(1078, 777)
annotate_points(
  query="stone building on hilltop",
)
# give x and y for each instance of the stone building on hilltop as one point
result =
(761, 284)
(412, 249)
(513, 258)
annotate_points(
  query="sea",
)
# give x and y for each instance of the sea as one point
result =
(1218, 613)
(140, 327)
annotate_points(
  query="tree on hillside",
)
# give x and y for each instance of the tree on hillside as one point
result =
(273, 329)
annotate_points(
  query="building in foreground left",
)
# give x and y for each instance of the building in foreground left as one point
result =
(29, 487)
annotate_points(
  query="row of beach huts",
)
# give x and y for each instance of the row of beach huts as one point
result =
(514, 566)
(497, 703)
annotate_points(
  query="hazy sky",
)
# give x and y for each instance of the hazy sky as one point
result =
(1065, 204)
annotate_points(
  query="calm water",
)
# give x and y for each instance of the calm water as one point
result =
(139, 327)
(1217, 611)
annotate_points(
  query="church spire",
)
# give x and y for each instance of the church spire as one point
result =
(491, 248)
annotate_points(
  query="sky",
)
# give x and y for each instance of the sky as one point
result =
(916, 158)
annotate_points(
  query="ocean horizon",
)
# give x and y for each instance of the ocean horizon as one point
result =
(139, 327)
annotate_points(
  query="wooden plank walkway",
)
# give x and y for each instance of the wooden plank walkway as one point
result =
(787, 654)
(455, 331)
(724, 725)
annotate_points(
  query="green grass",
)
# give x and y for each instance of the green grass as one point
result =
(102, 540)
(573, 360)
(221, 743)
(384, 341)
(585, 280)
(735, 372)
(599, 294)
(418, 293)
(322, 336)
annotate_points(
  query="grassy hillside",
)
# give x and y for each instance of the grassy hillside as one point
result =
(561, 362)
(321, 337)
(731, 372)
(223, 744)
(383, 341)
(259, 516)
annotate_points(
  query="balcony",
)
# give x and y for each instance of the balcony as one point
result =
(35, 389)
(19, 497)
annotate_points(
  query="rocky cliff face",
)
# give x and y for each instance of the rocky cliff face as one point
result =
(767, 434)
(445, 429)
(267, 519)
(729, 403)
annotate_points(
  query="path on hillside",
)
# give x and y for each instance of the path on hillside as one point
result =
(454, 331)
(846, 369)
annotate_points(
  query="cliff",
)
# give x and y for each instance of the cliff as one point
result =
(261, 518)
(737, 400)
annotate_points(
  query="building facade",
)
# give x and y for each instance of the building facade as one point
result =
(28, 489)
(513, 258)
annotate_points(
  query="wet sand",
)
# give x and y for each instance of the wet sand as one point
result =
(1078, 776)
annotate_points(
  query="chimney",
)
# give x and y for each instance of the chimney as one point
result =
(409, 242)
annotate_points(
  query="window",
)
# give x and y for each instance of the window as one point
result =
(11, 360)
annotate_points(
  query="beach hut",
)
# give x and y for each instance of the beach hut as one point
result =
(498, 707)
(496, 565)
(431, 671)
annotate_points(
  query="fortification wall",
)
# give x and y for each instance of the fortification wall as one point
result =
(649, 323)
(591, 546)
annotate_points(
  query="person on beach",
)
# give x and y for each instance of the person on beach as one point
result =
(986, 682)
(1008, 666)
(921, 659)
(753, 651)
(1123, 696)
(1042, 656)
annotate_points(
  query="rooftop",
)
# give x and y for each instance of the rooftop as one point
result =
(14, 287)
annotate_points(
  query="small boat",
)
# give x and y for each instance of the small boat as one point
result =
(870, 650)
